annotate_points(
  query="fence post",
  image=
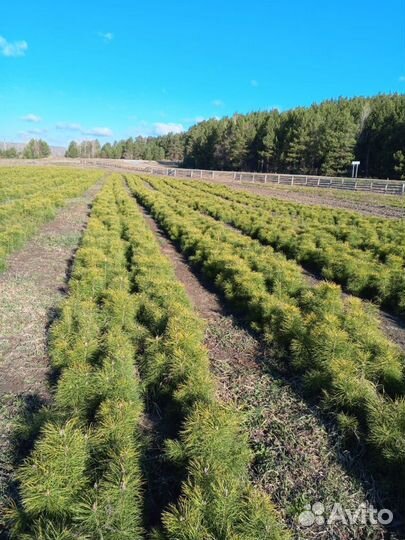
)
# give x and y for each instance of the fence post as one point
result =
(175, 172)
(278, 179)
(403, 188)
(292, 180)
(386, 188)
(265, 179)
(201, 174)
(253, 178)
(212, 174)
(191, 173)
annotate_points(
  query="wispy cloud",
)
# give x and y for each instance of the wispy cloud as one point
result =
(98, 132)
(15, 48)
(68, 126)
(402, 78)
(194, 119)
(31, 118)
(254, 83)
(106, 36)
(33, 131)
(95, 132)
(36, 131)
(217, 103)
(163, 129)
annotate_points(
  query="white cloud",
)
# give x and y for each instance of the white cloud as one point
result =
(164, 129)
(67, 126)
(194, 119)
(402, 78)
(31, 118)
(107, 36)
(217, 102)
(96, 132)
(15, 48)
(29, 133)
(36, 131)
(254, 83)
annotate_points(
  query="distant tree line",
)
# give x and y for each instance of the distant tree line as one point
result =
(322, 139)
(34, 149)
(170, 146)
(9, 153)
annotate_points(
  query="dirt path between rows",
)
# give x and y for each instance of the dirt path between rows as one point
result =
(297, 458)
(363, 207)
(30, 290)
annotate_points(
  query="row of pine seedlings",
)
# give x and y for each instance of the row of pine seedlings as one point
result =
(128, 337)
(30, 198)
(364, 254)
(333, 343)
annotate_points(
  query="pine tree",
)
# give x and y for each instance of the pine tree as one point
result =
(73, 150)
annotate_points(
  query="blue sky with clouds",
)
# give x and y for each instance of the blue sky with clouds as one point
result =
(124, 68)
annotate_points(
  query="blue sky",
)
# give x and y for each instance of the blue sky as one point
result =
(118, 69)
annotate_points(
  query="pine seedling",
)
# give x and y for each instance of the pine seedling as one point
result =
(52, 479)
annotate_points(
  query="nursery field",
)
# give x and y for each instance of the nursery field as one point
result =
(380, 205)
(31, 196)
(162, 423)
(365, 255)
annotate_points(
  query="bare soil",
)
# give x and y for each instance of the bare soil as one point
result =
(298, 459)
(30, 290)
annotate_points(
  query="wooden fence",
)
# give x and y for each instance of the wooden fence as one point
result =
(388, 187)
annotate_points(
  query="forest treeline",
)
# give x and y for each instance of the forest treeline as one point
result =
(34, 149)
(170, 146)
(321, 139)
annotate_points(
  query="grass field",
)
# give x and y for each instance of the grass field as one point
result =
(215, 362)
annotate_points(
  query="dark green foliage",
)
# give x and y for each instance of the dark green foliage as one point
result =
(73, 150)
(169, 147)
(36, 149)
(321, 139)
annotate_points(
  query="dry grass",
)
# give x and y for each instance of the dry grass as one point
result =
(298, 459)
